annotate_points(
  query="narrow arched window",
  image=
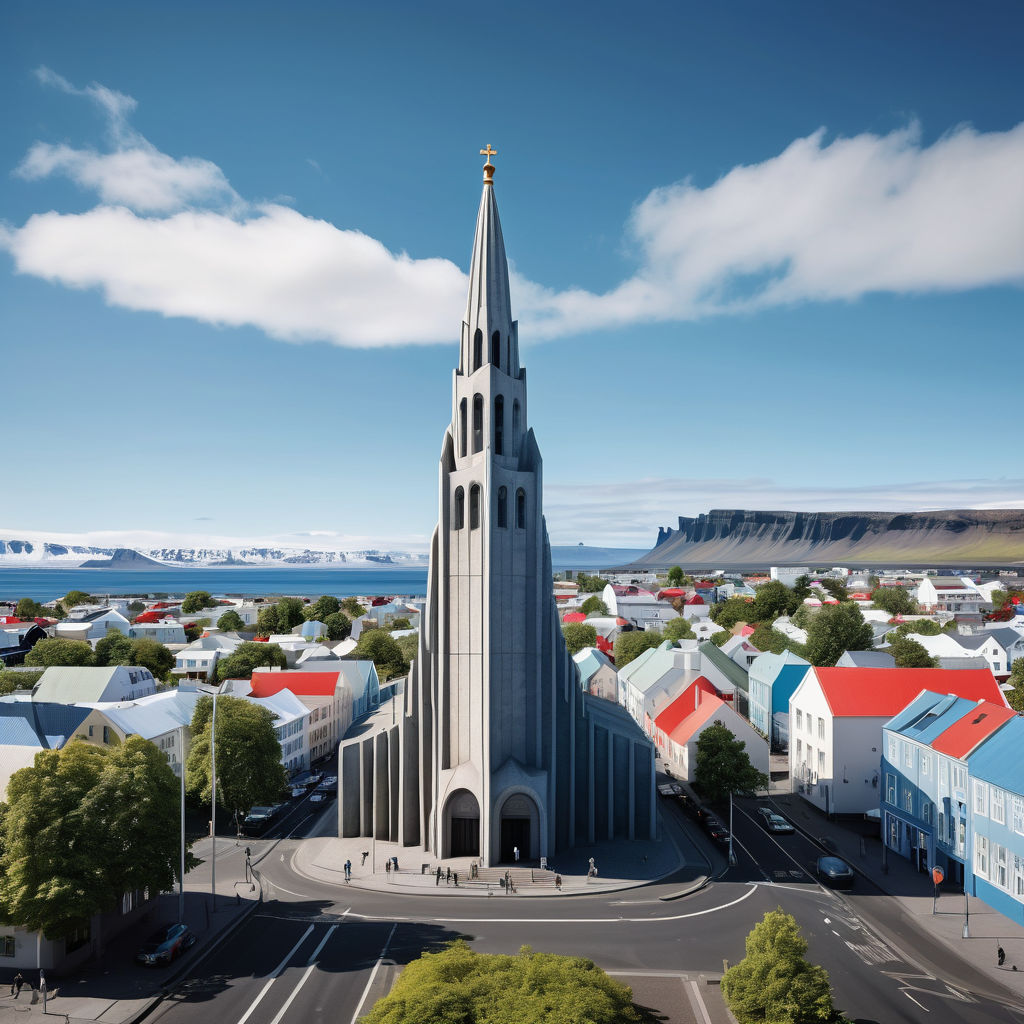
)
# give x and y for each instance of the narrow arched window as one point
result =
(521, 509)
(474, 507)
(515, 426)
(503, 507)
(478, 349)
(463, 428)
(460, 509)
(496, 349)
(478, 423)
(499, 425)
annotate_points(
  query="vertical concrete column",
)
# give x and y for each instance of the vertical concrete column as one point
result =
(611, 785)
(591, 816)
(381, 817)
(631, 797)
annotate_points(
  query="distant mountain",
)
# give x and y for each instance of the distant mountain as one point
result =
(123, 558)
(739, 537)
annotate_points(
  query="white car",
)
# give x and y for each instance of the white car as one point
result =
(772, 821)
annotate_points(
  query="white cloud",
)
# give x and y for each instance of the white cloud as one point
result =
(820, 221)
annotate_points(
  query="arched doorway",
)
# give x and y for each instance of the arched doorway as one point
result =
(462, 825)
(519, 825)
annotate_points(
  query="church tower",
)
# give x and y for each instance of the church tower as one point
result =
(494, 749)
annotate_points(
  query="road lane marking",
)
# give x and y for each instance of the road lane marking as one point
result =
(373, 973)
(698, 1002)
(567, 920)
(297, 827)
(309, 970)
(913, 1000)
(301, 895)
(277, 970)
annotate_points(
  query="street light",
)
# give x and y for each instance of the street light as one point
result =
(213, 804)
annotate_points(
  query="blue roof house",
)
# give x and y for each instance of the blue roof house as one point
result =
(772, 679)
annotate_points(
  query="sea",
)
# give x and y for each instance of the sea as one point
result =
(46, 584)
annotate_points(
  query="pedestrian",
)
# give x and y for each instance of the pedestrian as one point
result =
(1002, 956)
(455, 878)
(16, 985)
(448, 877)
(558, 882)
(366, 853)
(515, 854)
(387, 868)
(437, 875)
(348, 871)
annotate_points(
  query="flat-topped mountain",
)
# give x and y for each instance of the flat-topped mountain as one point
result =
(742, 537)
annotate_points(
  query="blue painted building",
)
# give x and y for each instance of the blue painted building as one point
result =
(772, 679)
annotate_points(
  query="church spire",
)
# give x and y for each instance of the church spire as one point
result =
(488, 320)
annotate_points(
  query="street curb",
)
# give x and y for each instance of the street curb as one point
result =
(699, 884)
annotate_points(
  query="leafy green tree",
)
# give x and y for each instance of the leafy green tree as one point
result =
(720, 637)
(459, 986)
(909, 653)
(765, 638)
(380, 647)
(339, 626)
(679, 629)
(894, 600)
(113, 649)
(771, 600)
(676, 576)
(723, 765)
(803, 616)
(321, 608)
(230, 622)
(289, 614)
(1015, 697)
(727, 613)
(196, 601)
(632, 644)
(73, 598)
(267, 621)
(775, 983)
(352, 608)
(241, 662)
(11, 681)
(409, 646)
(835, 588)
(27, 609)
(401, 623)
(59, 650)
(801, 589)
(151, 654)
(835, 629)
(249, 769)
(593, 605)
(578, 635)
(115, 808)
(193, 631)
(136, 608)
(590, 584)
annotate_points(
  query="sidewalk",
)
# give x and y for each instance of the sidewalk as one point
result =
(116, 990)
(988, 928)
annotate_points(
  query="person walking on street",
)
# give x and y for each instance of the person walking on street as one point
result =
(437, 875)
(16, 985)
(515, 854)
(1001, 956)
(387, 869)
(448, 877)
(455, 878)
(558, 882)
(348, 871)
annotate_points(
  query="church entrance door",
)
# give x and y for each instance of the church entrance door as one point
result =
(462, 825)
(515, 832)
(465, 839)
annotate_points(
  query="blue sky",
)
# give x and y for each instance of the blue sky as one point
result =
(765, 256)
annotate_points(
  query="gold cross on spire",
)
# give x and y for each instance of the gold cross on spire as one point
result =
(488, 167)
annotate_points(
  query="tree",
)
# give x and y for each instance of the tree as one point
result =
(352, 608)
(723, 765)
(836, 588)
(909, 653)
(249, 769)
(676, 576)
(59, 650)
(894, 600)
(409, 646)
(339, 627)
(196, 601)
(775, 983)
(113, 649)
(801, 589)
(578, 635)
(590, 584)
(151, 654)
(771, 600)
(922, 627)
(727, 613)
(401, 623)
(289, 614)
(267, 621)
(73, 598)
(679, 629)
(11, 681)
(632, 644)
(765, 638)
(803, 616)
(27, 609)
(116, 808)
(193, 632)
(321, 608)
(835, 629)
(593, 605)
(380, 647)
(1015, 697)
(460, 985)
(136, 608)
(242, 661)
(720, 637)
(230, 622)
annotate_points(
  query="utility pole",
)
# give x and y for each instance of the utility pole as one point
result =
(213, 804)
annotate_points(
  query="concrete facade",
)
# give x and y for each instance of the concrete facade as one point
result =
(493, 747)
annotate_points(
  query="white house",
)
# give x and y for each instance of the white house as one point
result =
(656, 677)
(597, 674)
(639, 607)
(740, 650)
(166, 631)
(199, 659)
(91, 625)
(788, 574)
(64, 684)
(949, 594)
(836, 716)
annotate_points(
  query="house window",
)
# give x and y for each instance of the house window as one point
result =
(998, 806)
(799, 749)
(496, 348)
(890, 788)
(926, 763)
(821, 728)
(478, 423)
(980, 798)
(961, 837)
(460, 508)
(521, 509)
(499, 425)
(908, 799)
(959, 776)
(478, 349)
(474, 507)
(1018, 877)
(981, 855)
(6, 945)
(463, 428)
(502, 507)
(799, 719)
(908, 755)
(1002, 878)
(892, 750)
(821, 762)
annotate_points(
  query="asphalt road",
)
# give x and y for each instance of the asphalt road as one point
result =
(316, 952)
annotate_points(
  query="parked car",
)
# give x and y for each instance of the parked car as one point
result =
(772, 821)
(834, 871)
(166, 944)
(259, 818)
(716, 830)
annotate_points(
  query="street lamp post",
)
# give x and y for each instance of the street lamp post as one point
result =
(181, 879)
(967, 915)
(213, 803)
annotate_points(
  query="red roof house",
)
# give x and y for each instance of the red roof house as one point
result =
(302, 684)
(574, 617)
(975, 727)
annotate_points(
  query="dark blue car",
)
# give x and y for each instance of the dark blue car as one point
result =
(166, 944)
